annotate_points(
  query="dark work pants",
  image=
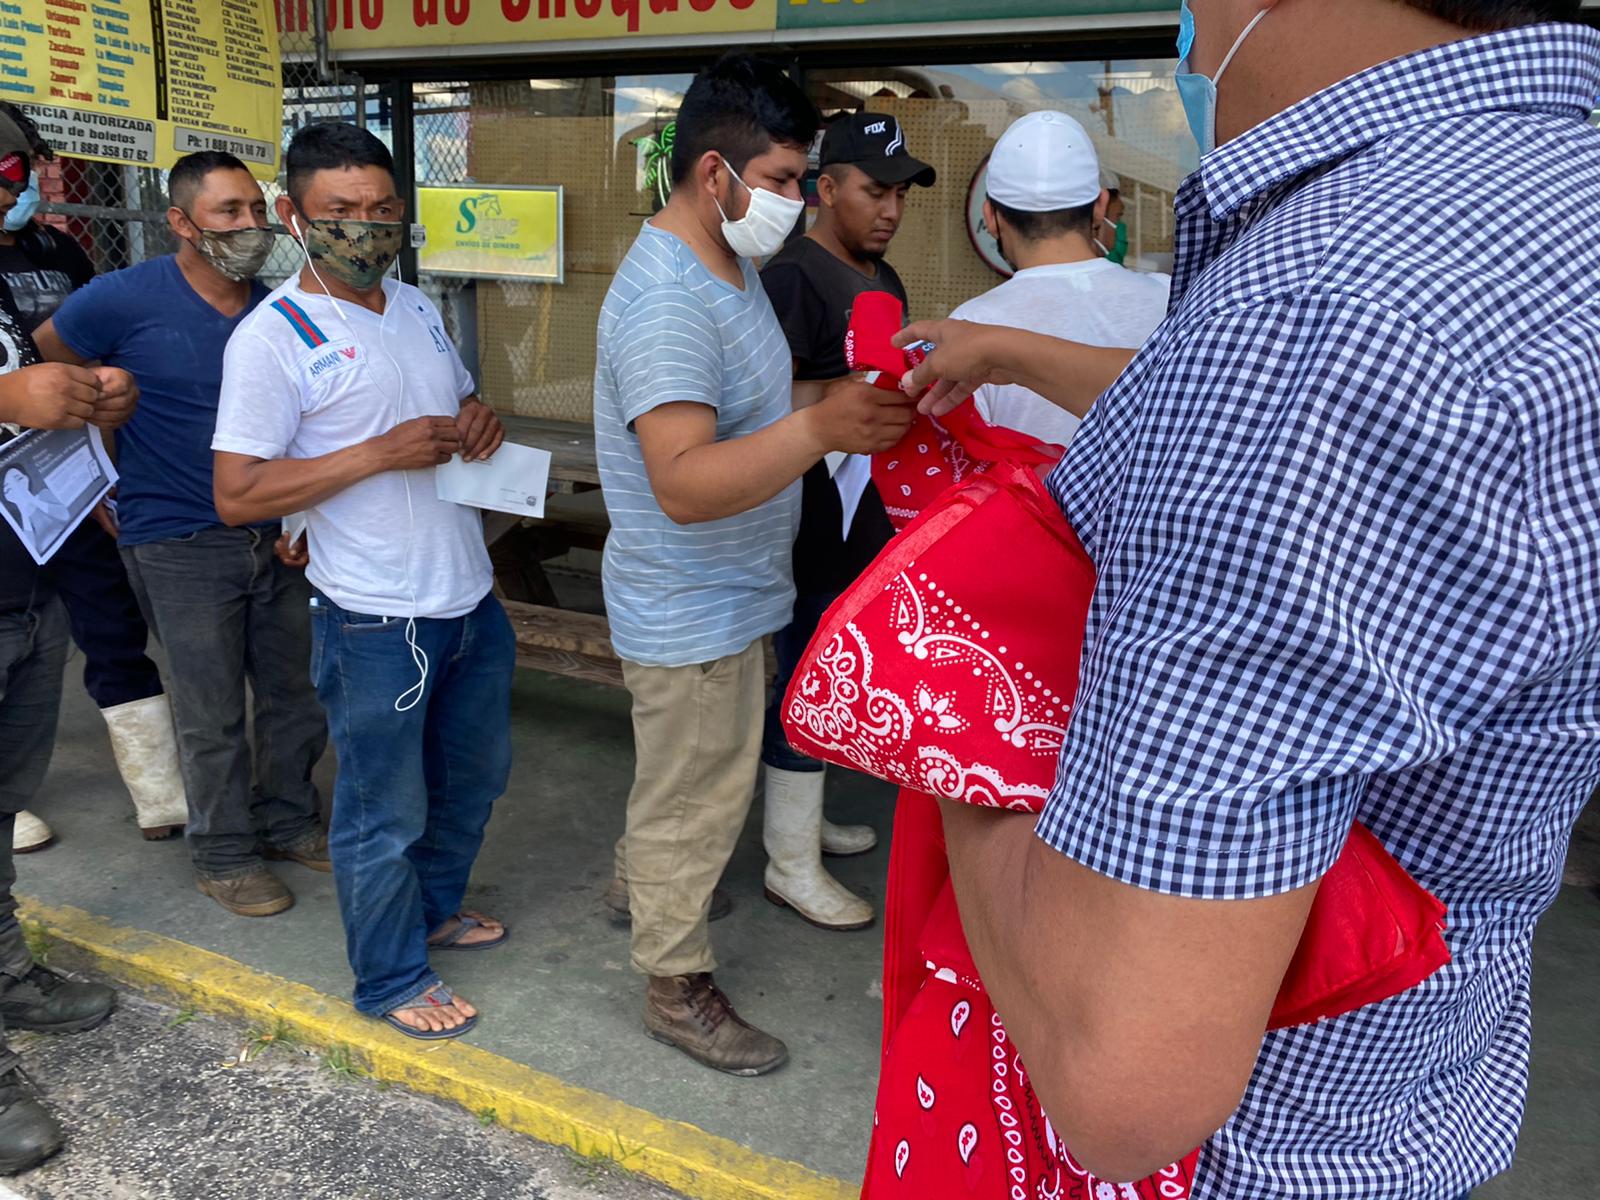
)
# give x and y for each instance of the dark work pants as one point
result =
(788, 645)
(33, 651)
(89, 576)
(226, 610)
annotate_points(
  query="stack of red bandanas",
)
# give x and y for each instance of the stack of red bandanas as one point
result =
(950, 668)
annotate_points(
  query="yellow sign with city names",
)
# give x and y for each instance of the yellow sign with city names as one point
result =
(145, 82)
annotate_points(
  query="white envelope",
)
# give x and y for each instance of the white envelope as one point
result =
(513, 481)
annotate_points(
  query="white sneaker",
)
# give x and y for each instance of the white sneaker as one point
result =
(30, 834)
(793, 834)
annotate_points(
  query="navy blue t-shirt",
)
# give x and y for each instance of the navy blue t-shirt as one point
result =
(149, 321)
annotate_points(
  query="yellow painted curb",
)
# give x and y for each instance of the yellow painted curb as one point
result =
(690, 1160)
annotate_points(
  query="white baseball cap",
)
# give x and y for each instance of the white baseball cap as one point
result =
(1044, 163)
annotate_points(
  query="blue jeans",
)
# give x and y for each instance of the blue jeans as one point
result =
(415, 788)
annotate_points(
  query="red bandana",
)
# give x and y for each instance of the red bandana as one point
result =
(951, 668)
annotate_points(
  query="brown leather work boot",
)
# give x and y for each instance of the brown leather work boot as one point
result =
(258, 894)
(310, 851)
(691, 1013)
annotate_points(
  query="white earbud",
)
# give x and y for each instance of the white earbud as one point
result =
(412, 696)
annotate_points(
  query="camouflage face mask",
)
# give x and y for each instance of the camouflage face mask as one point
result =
(356, 253)
(237, 254)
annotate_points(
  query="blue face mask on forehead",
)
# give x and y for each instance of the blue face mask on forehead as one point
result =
(1199, 92)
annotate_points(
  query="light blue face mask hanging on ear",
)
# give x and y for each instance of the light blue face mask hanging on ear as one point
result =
(20, 213)
(1199, 92)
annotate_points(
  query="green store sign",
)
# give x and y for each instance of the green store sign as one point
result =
(815, 14)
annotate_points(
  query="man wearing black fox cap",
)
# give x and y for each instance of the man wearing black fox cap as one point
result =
(867, 174)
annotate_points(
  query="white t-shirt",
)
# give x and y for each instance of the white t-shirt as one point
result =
(304, 376)
(1096, 302)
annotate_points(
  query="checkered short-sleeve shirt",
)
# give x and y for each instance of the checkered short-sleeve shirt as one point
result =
(1345, 509)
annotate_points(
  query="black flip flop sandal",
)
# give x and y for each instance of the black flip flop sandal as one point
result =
(464, 922)
(435, 997)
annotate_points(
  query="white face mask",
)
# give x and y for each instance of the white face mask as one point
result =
(762, 230)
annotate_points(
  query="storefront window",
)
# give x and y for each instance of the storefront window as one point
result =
(604, 139)
(952, 116)
(536, 341)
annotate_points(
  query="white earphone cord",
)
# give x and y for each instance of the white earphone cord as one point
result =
(412, 696)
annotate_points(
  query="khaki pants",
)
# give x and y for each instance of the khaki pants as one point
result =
(697, 736)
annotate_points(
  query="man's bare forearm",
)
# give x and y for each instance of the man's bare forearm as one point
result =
(1068, 374)
(249, 490)
(1140, 1015)
(722, 479)
(52, 348)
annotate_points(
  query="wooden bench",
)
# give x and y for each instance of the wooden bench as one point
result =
(572, 467)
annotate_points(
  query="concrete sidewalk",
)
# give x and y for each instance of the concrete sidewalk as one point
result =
(562, 999)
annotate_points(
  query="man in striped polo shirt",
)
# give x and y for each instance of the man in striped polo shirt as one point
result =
(701, 451)
(223, 607)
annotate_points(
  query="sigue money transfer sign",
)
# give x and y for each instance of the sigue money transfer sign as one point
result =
(144, 82)
(492, 232)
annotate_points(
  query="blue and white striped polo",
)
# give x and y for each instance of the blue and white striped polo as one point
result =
(671, 332)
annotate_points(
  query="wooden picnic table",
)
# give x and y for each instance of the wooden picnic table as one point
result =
(549, 637)
(571, 445)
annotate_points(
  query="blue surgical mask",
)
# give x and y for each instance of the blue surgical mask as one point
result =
(1199, 92)
(20, 213)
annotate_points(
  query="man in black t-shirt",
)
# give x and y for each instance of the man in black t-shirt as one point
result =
(33, 651)
(813, 284)
(41, 266)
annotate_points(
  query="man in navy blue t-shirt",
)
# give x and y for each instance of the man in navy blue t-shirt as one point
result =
(223, 605)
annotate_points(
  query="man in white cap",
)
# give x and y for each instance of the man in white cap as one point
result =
(1044, 205)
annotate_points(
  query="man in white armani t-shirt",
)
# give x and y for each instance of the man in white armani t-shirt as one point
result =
(1044, 203)
(341, 393)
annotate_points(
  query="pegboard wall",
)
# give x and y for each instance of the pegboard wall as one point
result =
(536, 342)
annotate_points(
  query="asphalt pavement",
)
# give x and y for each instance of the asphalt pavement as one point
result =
(160, 1103)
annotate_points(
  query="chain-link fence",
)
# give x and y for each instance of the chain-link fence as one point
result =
(441, 135)
(118, 214)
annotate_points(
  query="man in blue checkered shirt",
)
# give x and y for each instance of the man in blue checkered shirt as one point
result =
(1345, 510)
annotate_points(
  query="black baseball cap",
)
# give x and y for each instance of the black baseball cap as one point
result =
(877, 145)
(15, 165)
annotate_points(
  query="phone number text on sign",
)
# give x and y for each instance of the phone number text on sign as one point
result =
(80, 134)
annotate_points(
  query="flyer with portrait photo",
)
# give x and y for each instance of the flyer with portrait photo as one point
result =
(50, 480)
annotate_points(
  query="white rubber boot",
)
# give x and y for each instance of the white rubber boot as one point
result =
(30, 834)
(793, 835)
(147, 758)
(847, 841)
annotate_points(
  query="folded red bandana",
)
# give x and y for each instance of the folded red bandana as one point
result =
(939, 671)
